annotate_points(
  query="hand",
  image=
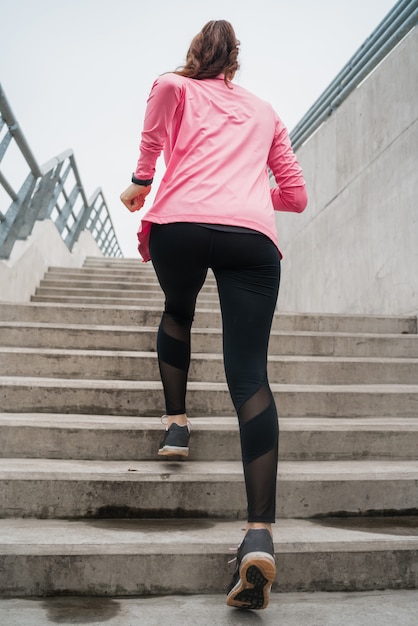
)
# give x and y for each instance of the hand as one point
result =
(134, 196)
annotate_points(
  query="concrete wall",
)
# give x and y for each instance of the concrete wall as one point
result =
(30, 259)
(355, 248)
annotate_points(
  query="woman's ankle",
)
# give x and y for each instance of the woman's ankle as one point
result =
(258, 526)
(180, 420)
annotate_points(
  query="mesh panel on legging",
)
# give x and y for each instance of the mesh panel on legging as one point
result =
(259, 432)
(173, 346)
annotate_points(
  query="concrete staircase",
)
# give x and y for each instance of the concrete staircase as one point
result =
(88, 508)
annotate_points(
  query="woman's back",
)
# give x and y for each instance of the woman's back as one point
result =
(217, 140)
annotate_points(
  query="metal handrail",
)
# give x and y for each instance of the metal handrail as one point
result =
(16, 132)
(402, 18)
(53, 191)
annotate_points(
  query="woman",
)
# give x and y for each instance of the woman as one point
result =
(214, 208)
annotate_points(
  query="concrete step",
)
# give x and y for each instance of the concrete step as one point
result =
(110, 284)
(106, 275)
(145, 398)
(114, 263)
(145, 557)
(120, 300)
(59, 488)
(130, 365)
(124, 293)
(106, 437)
(377, 608)
(99, 337)
(144, 271)
(127, 315)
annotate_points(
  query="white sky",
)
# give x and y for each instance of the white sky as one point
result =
(77, 73)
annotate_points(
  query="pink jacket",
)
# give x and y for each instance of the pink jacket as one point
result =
(217, 142)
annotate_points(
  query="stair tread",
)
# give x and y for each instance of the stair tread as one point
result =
(304, 316)
(80, 307)
(137, 330)
(105, 536)
(201, 386)
(174, 471)
(197, 330)
(207, 356)
(65, 420)
(207, 609)
(123, 312)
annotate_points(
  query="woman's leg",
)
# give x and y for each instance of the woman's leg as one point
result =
(247, 269)
(179, 256)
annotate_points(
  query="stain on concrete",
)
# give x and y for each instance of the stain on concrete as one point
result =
(76, 610)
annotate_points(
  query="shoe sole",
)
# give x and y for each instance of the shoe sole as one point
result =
(173, 451)
(252, 591)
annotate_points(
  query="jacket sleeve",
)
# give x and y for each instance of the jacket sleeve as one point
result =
(162, 103)
(290, 193)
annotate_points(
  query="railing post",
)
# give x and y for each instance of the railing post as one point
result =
(16, 217)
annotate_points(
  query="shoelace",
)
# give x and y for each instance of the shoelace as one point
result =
(233, 549)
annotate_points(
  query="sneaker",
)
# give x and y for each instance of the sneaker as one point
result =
(254, 573)
(175, 441)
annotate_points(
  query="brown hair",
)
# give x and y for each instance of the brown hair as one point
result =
(213, 51)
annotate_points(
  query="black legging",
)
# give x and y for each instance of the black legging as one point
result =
(247, 271)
